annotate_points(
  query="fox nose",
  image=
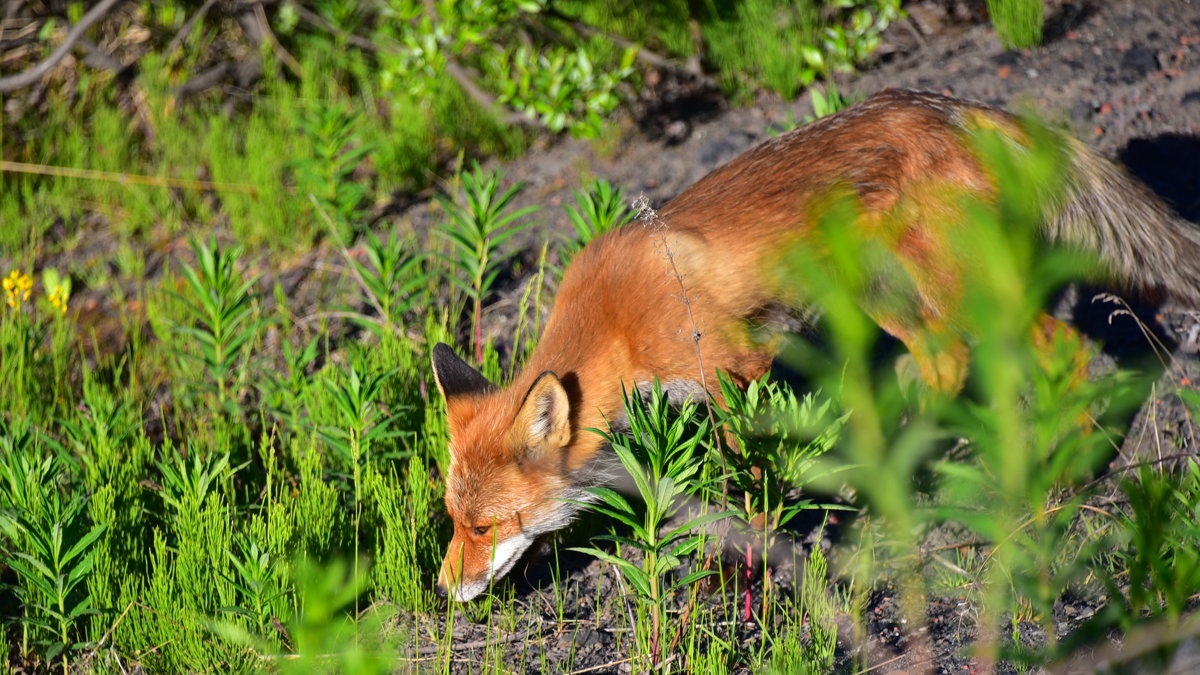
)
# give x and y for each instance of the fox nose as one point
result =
(440, 590)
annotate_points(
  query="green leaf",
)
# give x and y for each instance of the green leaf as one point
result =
(83, 542)
(639, 579)
(613, 498)
(41, 579)
(624, 541)
(700, 521)
(690, 579)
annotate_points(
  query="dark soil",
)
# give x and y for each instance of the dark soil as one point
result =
(1124, 76)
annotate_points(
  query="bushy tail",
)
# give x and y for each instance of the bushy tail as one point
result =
(1107, 211)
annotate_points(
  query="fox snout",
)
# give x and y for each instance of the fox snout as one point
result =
(470, 566)
(456, 579)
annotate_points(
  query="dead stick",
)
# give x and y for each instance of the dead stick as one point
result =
(642, 54)
(651, 220)
(125, 178)
(106, 635)
(426, 650)
(28, 77)
(1113, 473)
(601, 666)
(97, 58)
(466, 80)
(320, 22)
(290, 61)
(186, 30)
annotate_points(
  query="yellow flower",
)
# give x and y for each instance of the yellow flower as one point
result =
(59, 301)
(57, 288)
(17, 288)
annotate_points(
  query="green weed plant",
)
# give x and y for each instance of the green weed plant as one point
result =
(479, 223)
(659, 455)
(598, 208)
(223, 322)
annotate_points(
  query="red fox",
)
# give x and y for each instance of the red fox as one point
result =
(520, 456)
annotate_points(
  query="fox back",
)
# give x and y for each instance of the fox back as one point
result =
(687, 286)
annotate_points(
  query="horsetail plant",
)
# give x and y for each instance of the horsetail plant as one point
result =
(362, 422)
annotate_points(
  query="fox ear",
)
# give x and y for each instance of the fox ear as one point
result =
(544, 421)
(454, 376)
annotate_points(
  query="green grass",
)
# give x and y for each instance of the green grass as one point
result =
(1018, 23)
(774, 41)
(298, 137)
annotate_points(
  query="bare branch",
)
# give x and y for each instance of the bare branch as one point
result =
(28, 77)
(283, 54)
(657, 228)
(98, 58)
(463, 77)
(322, 23)
(125, 178)
(644, 55)
(188, 25)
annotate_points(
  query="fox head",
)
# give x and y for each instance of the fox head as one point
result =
(507, 479)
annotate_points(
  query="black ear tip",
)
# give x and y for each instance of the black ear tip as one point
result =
(455, 376)
(444, 356)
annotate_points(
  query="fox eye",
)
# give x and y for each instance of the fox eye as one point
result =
(482, 530)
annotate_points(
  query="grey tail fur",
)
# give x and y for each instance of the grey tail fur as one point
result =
(1145, 244)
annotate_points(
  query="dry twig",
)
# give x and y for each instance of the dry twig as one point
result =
(323, 23)
(125, 178)
(260, 15)
(188, 25)
(28, 77)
